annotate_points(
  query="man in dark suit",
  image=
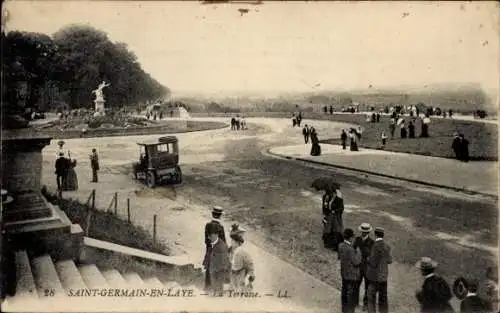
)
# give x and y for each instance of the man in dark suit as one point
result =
(305, 133)
(350, 258)
(219, 265)
(377, 271)
(365, 243)
(435, 294)
(472, 302)
(213, 224)
(62, 166)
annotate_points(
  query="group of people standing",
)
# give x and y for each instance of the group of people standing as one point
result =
(226, 264)
(66, 177)
(354, 135)
(65, 170)
(238, 123)
(296, 119)
(310, 133)
(363, 259)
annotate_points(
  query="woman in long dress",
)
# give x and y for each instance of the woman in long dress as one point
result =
(242, 267)
(71, 181)
(336, 220)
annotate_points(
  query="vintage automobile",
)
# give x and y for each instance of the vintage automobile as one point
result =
(159, 161)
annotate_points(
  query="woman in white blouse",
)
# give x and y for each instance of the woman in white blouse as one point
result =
(241, 265)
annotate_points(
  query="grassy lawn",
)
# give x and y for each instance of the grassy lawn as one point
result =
(108, 227)
(483, 137)
(163, 128)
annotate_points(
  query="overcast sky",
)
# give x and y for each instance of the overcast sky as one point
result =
(278, 47)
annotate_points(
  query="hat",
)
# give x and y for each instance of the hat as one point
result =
(236, 229)
(365, 227)
(348, 233)
(61, 153)
(217, 210)
(426, 263)
(379, 230)
(60, 143)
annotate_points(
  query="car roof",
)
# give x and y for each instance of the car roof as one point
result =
(161, 140)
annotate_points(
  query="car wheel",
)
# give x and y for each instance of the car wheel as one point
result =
(151, 180)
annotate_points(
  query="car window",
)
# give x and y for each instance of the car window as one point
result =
(163, 148)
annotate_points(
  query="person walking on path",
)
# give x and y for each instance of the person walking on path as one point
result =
(334, 224)
(350, 259)
(305, 133)
(472, 302)
(219, 264)
(392, 127)
(425, 127)
(354, 140)
(435, 295)
(456, 146)
(377, 272)
(384, 139)
(365, 243)
(464, 148)
(213, 224)
(315, 148)
(94, 164)
(241, 265)
(61, 170)
(343, 138)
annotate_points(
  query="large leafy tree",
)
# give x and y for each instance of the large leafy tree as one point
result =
(75, 60)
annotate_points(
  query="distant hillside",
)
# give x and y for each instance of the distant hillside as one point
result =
(463, 99)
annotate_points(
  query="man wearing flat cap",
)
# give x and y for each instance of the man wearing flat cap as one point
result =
(365, 243)
(377, 271)
(213, 225)
(435, 295)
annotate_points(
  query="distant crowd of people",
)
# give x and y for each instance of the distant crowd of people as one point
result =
(363, 259)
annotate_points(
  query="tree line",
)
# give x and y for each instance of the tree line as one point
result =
(64, 69)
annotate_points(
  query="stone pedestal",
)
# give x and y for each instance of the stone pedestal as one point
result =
(22, 171)
(99, 105)
(30, 221)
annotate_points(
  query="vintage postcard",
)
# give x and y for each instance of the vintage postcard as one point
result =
(249, 156)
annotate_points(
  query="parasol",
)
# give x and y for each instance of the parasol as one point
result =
(327, 184)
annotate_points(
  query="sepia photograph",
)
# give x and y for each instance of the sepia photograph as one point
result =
(249, 156)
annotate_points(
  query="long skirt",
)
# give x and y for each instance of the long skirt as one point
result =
(332, 232)
(71, 181)
(315, 149)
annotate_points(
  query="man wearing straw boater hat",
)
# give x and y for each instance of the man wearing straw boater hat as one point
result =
(214, 224)
(377, 272)
(435, 294)
(365, 243)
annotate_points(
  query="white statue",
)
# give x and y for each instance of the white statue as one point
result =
(98, 92)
